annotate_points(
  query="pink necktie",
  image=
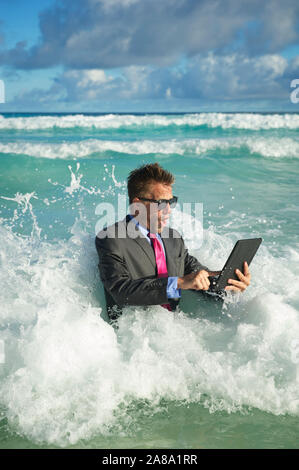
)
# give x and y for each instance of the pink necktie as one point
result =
(160, 260)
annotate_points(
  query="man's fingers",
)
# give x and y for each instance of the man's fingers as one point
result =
(244, 281)
(201, 285)
(246, 268)
(204, 282)
(236, 289)
(242, 277)
(241, 285)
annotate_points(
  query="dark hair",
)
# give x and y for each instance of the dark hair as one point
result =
(140, 177)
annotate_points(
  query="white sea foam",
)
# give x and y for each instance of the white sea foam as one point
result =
(115, 121)
(267, 147)
(67, 371)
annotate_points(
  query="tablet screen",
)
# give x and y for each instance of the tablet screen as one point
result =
(244, 250)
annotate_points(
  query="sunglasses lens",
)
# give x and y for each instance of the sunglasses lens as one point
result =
(162, 206)
(172, 203)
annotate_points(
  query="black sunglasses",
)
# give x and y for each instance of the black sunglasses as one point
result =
(162, 203)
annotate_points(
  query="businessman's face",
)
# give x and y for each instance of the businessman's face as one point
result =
(155, 219)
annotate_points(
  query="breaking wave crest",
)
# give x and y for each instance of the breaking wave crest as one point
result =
(266, 147)
(250, 121)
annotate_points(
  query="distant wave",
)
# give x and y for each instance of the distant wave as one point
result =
(274, 147)
(249, 121)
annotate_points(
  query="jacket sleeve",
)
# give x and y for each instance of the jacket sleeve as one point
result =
(191, 264)
(118, 282)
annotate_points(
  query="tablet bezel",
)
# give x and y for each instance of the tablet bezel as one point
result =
(236, 260)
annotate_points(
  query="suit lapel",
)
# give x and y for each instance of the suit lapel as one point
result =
(148, 250)
(142, 242)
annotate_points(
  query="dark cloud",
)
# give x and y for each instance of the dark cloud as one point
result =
(118, 33)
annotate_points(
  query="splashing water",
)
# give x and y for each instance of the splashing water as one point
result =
(70, 379)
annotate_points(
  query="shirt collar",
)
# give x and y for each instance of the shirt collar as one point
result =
(142, 229)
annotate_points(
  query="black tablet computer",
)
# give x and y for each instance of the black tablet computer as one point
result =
(244, 250)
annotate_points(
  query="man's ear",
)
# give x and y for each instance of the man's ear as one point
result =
(133, 208)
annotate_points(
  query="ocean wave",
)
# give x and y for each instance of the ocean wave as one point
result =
(267, 147)
(250, 121)
(79, 388)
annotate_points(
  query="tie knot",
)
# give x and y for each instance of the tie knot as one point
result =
(152, 236)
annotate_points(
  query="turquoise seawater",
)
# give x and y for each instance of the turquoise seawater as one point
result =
(196, 378)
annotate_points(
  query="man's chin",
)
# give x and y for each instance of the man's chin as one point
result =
(159, 226)
(162, 225)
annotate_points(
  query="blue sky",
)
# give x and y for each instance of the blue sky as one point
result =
(149, 55)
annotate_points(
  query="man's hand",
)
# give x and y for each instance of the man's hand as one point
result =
(198, 280)
(243, 283)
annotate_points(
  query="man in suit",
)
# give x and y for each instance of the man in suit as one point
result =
(144, 262)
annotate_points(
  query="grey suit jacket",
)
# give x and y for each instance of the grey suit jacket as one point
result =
(128, 267)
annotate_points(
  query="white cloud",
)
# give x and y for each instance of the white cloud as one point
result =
(233, 76)
(168, 93)
(112, 4)
(273, 65)
(94, 77)
(205, 77)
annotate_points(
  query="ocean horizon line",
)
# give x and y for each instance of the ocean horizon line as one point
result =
(138, 113)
